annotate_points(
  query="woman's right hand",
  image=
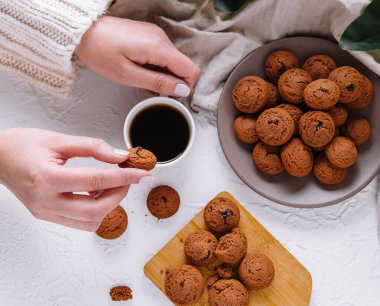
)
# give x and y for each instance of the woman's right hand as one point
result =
(121, 49)
(32, 164)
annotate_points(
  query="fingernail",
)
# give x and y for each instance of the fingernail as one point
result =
(181, 90)
(120, 152)
(147, 179)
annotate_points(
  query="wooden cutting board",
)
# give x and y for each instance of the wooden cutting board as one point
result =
(292, 282)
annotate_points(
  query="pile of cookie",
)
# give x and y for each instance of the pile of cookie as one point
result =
(237, 272)
(162, 202)
(303, 123)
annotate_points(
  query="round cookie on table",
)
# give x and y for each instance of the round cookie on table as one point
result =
(292, 84)
(114, 224)
(297, 158)
(339, 114)
(278, 62)
(163, 201)
(184, 285)
(256, 271)
(366, 94)
(232, 247)
(348, 81)
(275, 126)
(328, 174)
(139, 158)
(321, 94)
(228, 292)
(295, 112)
(221, 215)
(316, 128)
(319, 66)
(245, 129)
(250, 94)
(267, 158)
(358, 129)
(200, 248)
(342, 152)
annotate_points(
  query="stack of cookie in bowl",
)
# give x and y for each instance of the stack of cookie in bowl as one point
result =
(302, 120)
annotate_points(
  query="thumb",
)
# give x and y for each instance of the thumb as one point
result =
(75, 146)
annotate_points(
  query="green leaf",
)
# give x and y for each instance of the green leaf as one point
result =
(363, 33)
(229, 6)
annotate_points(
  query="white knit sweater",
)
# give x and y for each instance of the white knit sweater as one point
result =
(38, 38)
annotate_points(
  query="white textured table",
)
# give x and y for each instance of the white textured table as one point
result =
(46, 264)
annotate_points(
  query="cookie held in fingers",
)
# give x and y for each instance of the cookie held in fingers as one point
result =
(114, 224)
(139, 158)
(250, 94)
(275, 126)
(163, 201)
(221, 215)
(200, 248)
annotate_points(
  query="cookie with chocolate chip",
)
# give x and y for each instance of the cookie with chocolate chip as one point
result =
(316, 128)
(348, 80)
(278, 62)
(221, 215)
(321, 94)
(163, 201)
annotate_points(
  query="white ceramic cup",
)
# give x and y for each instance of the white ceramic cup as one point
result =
(161, 101)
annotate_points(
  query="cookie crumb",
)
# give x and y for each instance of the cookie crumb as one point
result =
(121, 293)
(211, 280)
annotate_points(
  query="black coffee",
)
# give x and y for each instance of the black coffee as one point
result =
(161, 129)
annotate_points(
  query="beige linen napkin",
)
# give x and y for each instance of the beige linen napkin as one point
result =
(218, 42)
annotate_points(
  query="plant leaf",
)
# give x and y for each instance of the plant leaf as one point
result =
(364, 32)
(229, 6)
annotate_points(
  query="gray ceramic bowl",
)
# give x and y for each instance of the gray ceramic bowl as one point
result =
(283, 189)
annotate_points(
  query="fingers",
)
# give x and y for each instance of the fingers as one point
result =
(155, 81)
(86, 208)
(168, 56)
(76, 146)
(70, 179)
(80, 225)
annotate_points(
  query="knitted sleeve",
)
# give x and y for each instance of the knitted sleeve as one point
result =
(38, 38)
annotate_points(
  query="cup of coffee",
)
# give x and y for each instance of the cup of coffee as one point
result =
(163, 126)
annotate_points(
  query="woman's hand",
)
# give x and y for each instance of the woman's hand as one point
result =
(121, 49)
(32, 167)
